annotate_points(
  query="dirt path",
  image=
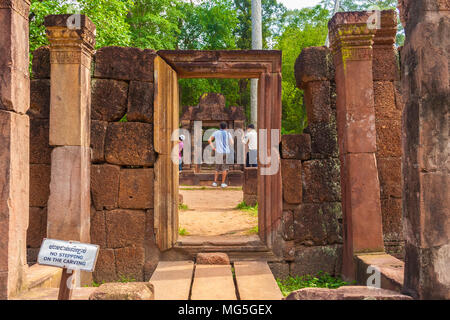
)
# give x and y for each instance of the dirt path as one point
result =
(212, 212)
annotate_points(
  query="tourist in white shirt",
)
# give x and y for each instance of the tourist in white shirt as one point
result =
(251, 138)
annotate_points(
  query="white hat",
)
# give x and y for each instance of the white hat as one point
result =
(182, 137)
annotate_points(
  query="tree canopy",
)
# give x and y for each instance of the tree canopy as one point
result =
(208, 25)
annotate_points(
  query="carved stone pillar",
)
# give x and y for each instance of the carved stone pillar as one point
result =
(352, 41)
(72, 40)
(426, 147)
(14, 145)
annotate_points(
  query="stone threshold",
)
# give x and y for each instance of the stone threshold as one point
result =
(391, 270)
(243, 248)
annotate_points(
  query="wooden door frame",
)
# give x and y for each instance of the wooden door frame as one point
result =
(264, 65)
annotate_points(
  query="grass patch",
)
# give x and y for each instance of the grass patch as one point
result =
(183, 207)
(183, 232)
(125, 279)
(244, 207)
(122, 279)
(321, 280)
(253, 230)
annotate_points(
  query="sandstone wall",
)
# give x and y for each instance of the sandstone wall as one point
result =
(312, 213)
(122, 161)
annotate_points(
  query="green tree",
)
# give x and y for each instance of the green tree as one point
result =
(108, 15)
(304, 28)
(154, 24)
(38, 11)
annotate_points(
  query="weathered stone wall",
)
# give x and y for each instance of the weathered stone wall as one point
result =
(122, 161)
(312, 213)
(426, 147)
(388, 119)
(40, 151)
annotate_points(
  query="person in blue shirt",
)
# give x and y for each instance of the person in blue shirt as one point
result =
(223, 142)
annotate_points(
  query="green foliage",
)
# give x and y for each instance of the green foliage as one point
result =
(208, 25)
(303, 28)
(110, 18)
(244, 207)
(155, 24)
(321, 280)
(253, 230)
(182, 232)
(183, 207)
(94, 284)
(108, 15)
(125, 279)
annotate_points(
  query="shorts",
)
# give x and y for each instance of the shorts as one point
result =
(220, 167)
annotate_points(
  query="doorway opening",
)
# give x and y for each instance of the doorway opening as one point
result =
(171, 66)
(211, 197)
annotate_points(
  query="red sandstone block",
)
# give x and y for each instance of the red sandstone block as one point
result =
(357, 129)
(105, 186)
(391, 210)
(427, 221)
(324, 139)
(296, 146)
(321, 181)
(39, 184)
(136, 188)
(385, 66)
(250, 186)
(318, 224)
(317, 101)
(389, 138)
(288, 225)
(109, 99)
(129, 143)
(105, 268)
(311, 260)
(124, 63)
(98, 135)
(40, 150)
(39, 99)
(98, 227)
(291, 172)
(250, 199)
(390, 174)
(41, 63)
(130, 263)
(385, 101)
(37, 227)
(140, 102)
(363, 206)
(313, 64)
(125, 228)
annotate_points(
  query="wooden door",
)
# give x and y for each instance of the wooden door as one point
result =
(166, 121)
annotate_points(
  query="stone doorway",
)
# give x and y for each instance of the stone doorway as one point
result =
(173, 65)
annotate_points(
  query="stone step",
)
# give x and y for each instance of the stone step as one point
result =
(255, 281)
(52, 294)
(172, 280)
(213, 282)
(43, 277)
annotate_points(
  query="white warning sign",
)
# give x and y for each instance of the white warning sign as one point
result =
(68, 254)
